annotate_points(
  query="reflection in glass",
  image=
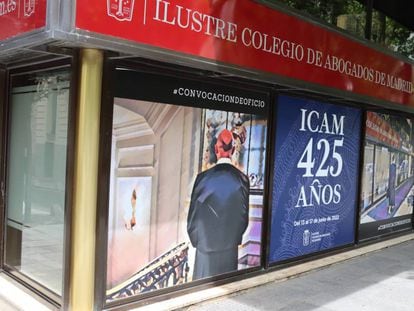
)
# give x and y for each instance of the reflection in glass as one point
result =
(36, 176)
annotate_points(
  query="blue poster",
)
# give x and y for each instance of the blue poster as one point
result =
(314, 195)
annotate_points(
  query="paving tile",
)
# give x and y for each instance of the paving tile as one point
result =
(378, 281)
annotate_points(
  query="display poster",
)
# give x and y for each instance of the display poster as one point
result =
(314, 195)
(386, 201)
(186, 182)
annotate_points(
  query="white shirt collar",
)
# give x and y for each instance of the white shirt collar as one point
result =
(224, 161)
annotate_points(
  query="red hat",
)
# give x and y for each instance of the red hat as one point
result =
(224, 145)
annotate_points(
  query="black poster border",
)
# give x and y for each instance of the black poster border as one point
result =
(274, 265)
(183, 91)
(113, 87)
(366, 229)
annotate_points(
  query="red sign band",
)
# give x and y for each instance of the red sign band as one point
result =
(21, 16)
(248, 34)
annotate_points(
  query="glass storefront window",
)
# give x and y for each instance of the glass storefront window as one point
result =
(381, 173)
(388, 148)
(367, 176)
(186, 184)
(36, 175)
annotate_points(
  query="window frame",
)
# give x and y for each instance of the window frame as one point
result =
(69, 62)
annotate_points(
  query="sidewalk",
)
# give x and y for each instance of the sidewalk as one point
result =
(15, 297)
(378, 281)
(377, 277)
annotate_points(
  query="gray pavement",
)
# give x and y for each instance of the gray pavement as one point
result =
(382, 280)
(6, 305)
(378, 281)
(15, 297)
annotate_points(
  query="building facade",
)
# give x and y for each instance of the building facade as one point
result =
(152, 147)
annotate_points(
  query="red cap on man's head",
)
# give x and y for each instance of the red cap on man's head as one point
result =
(224, 145)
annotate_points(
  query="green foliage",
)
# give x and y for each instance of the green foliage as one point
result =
(385, 31)
(327, 10)
(399, 38)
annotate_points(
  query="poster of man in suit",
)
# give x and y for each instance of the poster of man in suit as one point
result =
(219, 212)
(202, 149)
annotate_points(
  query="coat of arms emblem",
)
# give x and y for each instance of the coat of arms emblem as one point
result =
(121, 10)
(29, 7)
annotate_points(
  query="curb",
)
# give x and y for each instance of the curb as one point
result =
(271, 277)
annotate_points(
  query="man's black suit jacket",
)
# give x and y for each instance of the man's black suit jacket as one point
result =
(219, 209)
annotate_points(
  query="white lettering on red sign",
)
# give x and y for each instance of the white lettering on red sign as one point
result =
(7, 7)
(172, 14)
